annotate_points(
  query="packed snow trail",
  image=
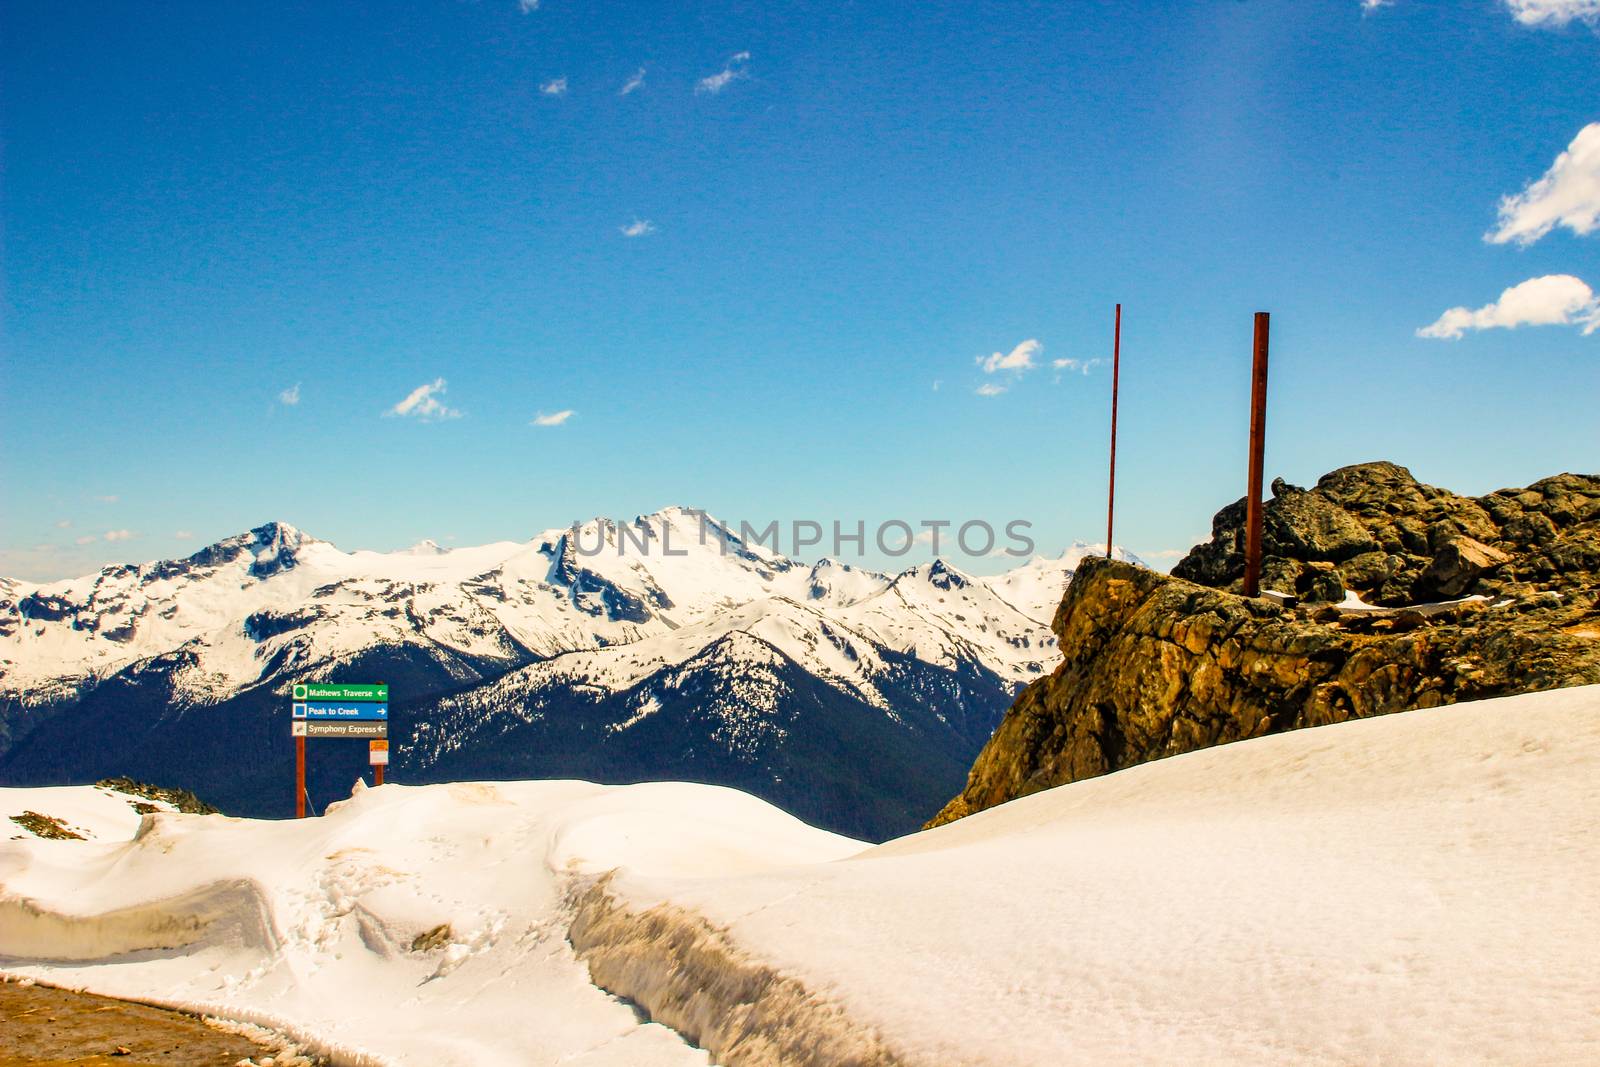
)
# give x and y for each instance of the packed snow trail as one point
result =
(1415, 888)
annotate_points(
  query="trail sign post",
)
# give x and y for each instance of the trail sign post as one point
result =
(338, 709)
(378, 756)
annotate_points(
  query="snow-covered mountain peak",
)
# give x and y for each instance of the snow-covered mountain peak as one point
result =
(426, 547)
(937, 573)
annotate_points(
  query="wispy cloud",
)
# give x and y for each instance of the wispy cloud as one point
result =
(632, 84)
(86, 539)
(555, 87)
(737, 67)
(1077, 366)
(1369, 6)
(990, 389)
(1568, 195)
(1554, 12)
(1553, 300)
(554, 418)
(1018, 360)
(527, 7)
(110, 498)
(183, 535)
(63, 524)
(120, 535)
(423, 403)
(638, 228)
(290, 396)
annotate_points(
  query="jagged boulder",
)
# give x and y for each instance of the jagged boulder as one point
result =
(1156, 666)
(1374, 530)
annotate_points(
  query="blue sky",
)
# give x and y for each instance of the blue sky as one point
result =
(837, 212)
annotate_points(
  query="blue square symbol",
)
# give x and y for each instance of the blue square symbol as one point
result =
(299, 711)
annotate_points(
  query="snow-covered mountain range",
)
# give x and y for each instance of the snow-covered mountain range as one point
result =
(666, 646)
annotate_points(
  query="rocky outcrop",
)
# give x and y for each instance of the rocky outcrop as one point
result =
(1155, 666)
(1375, 530)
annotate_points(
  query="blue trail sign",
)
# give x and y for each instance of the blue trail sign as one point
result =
(341, 710)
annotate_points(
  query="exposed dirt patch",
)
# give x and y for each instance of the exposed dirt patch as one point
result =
(41, 1026)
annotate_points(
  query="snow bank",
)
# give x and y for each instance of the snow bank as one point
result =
(92, 813)
(407, 925)
(694, 980)
(1415, 889)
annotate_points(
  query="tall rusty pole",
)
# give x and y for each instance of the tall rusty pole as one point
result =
(1258, 437)
(300, 777)
(1116, 373)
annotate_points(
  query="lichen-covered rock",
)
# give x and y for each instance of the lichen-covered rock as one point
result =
(1155, 666)
(1393, 540)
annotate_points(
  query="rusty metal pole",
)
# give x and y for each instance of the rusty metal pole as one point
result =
(1258, 437)
(377, 774)
(1116, 373)
(299, 777)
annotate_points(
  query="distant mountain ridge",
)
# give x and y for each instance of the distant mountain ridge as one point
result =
(723, 661)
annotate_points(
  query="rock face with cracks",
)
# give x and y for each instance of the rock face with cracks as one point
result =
(1156, 666)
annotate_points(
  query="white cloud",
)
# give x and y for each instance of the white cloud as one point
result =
(555, 87)
(633, 83)
(1080, 366)
(555, 418)
(120, 535)
(1568, 195)
(291, 395)
(62, 524)
(1554, 12)
(423, 403)
(527, 6)
(110, 498)
(1018, 360)
(183, 535)
(638, 228)
(1553, 300)
(86, 539)
(1369, 6)
(991, 389)
(937, 382)
(736, 68)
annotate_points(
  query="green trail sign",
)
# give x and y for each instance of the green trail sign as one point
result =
(336, 691)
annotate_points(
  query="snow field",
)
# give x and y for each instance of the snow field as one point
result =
(1411, 889)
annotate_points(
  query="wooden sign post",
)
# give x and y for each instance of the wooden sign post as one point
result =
(378, 756)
